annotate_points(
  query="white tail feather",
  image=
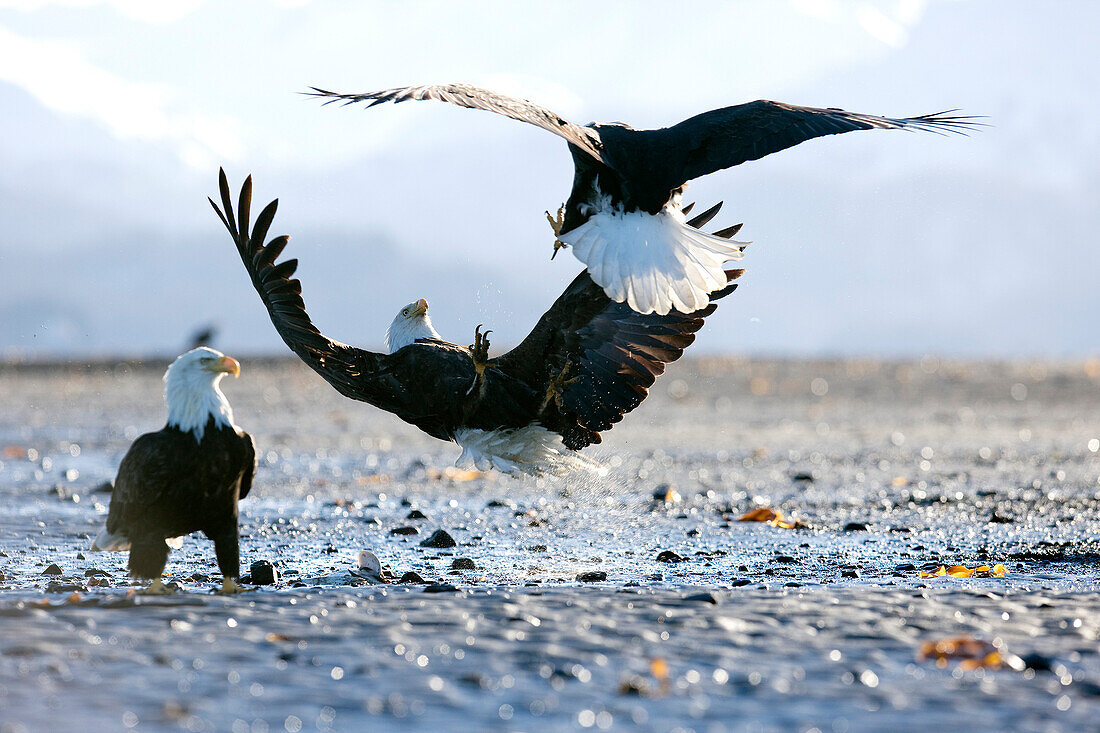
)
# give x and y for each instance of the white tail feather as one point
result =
(532, 450)
(107, 542)
(652, 262)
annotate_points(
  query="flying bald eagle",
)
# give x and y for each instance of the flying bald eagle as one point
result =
(623, 216)
(588, 361)
(185, 478)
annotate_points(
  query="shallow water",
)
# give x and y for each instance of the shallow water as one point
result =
(817, 627)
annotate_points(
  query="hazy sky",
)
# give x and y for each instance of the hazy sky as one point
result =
(116, 115)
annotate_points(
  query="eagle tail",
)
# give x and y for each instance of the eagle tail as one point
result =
(107, 542)
(653, 262)
(532, 451)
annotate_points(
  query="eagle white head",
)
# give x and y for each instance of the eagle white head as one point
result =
(192, 392)
(411, 323)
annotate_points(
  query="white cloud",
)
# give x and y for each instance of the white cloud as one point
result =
(56, 74)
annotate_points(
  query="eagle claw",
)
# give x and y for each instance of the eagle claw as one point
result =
(556, 223)
(557, 386)
(479, 354)
(156, 588)
(231, 587)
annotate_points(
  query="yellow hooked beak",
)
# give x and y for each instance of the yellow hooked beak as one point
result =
(421, 307)
(227, 364)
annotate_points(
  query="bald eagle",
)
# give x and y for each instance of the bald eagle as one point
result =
(588, 361)
(623, 216)
(185, 478)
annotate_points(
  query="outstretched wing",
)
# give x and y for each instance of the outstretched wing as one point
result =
(344, 367)
(464, 95)
(604, 355)
(730, 136)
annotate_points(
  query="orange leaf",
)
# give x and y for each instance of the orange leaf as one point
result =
(761, 514)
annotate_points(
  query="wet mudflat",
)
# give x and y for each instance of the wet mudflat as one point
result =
(567, 618)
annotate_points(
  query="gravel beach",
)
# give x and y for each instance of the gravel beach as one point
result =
(635, 598)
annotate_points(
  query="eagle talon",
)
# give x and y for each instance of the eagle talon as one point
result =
(156, 588)
(557, 386)
(231, 587)
(479, 354)
(556, 223)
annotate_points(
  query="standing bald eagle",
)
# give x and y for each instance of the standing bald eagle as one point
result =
(623, 217)
(185, 478)
(588, 361)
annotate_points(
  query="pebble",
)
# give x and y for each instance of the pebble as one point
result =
(263, 572)
(463, 563)
(702, 598)
(53, 569)
(666, 493)
(412, 577)
(849, 574)
(440, 588)
(592, 576)
(439, 538)
(670, 556)
(855, 527)
(93, 572)
(416, 514)
(740, 582)
(786, 559)
(404, 530)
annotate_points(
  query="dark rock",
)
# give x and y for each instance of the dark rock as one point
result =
(80, 556)
(93, 572)
(803, 476)
(666, 493)
(439, 538)
(693, 532)
(702, 598)
(58, 587)
(404, 530)
(669, 556)
(412, 577)
(592, 576)
(416, 514)
(996, 518)
(440, 588)
(849, 574)
(500, 503)
(53, 569)
(742, 568)
(537, 548)
(792, 585)
(263, 572)
(1037, 662)
(463, 563)
(740, 582)
(786, 559)
(330, 550)
(855, 527)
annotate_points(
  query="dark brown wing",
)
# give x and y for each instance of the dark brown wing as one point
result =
(611, 353)
(464, 95)
(346, 368)
(248, 464)
(730, 136)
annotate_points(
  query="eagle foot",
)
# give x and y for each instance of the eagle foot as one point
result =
(557, 386)
(156, 588)
(479, 354)
(557, 221)
(230, 586)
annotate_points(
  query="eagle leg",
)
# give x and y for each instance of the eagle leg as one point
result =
(557, 386)
(156, 588)
(556, 223)
(479, 354)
